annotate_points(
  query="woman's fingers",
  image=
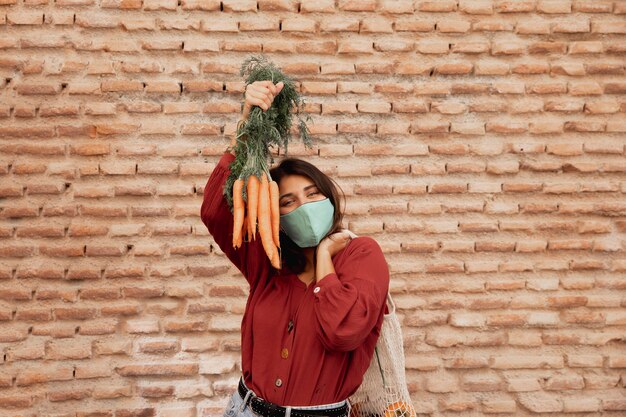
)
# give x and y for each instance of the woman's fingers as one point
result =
(336, 242)
(258, 99)
(340, 237)
(271, 87)
(262, 88)
(267, 92)
(262, 93)
(274, 89)
(254, 100)
(267, 87)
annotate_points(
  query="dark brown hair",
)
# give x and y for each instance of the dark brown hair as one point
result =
(292, 255)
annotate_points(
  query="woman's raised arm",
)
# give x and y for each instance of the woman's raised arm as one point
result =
(215, 213)
(250, 258)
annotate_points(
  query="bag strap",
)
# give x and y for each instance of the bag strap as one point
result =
(380, 368)
(392, 309)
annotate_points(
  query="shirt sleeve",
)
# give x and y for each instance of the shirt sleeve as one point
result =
(348, 308)
(250, 258)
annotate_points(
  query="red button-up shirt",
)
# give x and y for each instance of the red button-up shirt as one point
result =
(302, 345)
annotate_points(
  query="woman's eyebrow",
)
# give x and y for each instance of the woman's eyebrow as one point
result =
(291, 194)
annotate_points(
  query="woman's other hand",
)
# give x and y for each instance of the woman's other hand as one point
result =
(260, 93)
(335, 242)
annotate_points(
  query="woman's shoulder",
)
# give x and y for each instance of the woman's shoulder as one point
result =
(365, 242)
(364, 253)
(364, 245)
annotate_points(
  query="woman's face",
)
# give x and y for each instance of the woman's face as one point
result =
(295, 190)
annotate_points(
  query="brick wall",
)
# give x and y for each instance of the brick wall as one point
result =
(482, 143)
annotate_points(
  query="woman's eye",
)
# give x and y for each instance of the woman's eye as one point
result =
(313, 193)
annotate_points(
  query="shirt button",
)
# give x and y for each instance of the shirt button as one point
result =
(279, 382)
(316, 290)
(284, 353)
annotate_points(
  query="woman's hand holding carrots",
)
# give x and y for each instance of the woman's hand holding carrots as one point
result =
(260, 93)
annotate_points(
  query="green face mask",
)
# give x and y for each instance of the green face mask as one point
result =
(309, 223)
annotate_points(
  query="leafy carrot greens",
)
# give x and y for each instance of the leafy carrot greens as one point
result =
(261, 131)
(264, 129)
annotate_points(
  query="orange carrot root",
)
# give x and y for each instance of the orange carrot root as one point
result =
(276, 260)
(244, 228)
(238, 212)
(253, 201)
(264, 218)
(275, 212)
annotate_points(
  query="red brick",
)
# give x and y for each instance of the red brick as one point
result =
(13, 333)
(162, 369)
(135, 412)
(185, 326)
(538, 402)
(16, 401)
(159, 347)
(32, 314)
(43, 374)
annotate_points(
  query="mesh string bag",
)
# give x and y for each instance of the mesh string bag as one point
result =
(383, 392)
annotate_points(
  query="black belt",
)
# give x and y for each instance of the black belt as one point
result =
(268, 409)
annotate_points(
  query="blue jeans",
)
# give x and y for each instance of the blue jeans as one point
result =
(236, 407)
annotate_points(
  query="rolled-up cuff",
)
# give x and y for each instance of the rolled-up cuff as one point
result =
(225, 160)
(329, 280)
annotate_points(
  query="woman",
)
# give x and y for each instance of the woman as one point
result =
(309, 329)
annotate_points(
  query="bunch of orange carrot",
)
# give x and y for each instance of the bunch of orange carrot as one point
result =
(249, 190)
(261, 208)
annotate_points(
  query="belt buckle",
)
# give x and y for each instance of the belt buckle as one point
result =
(265, 408)
(248, 397)
(317, 412)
